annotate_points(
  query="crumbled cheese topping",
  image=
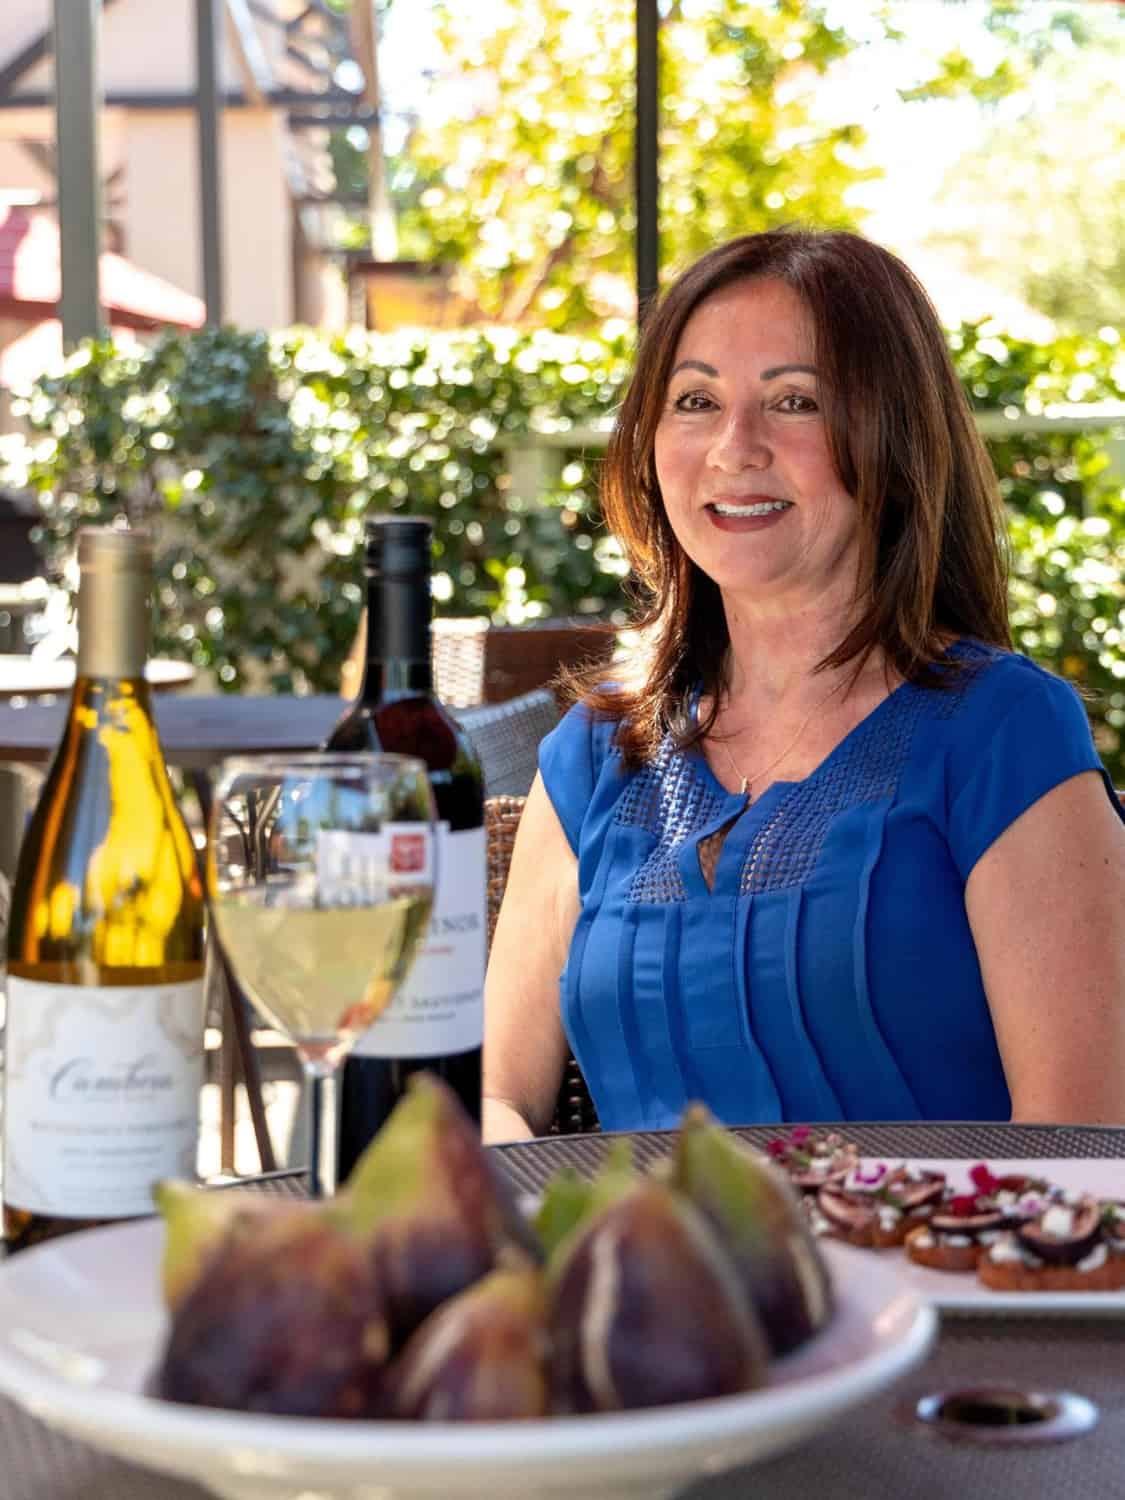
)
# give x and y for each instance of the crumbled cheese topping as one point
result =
(1006, 1252)
(923, 1239)
(1058, 1222)
(958, 1241)
(1097, 1257)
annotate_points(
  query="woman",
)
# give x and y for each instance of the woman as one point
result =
(834, 851)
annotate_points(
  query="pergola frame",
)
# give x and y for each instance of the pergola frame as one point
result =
(73, 38)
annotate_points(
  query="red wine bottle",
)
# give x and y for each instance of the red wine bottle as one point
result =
(435, 1022)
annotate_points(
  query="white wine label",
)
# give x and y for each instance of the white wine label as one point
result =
(362, 869)
(439, 1008)
(101, 1094)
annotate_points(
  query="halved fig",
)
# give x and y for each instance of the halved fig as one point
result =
(1065, 1233)
(973, 1224)
(1113, 1219)
(845, 1212)
(809, 1180)
(912, 1193)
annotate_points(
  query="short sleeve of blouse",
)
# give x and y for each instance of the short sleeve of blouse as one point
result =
(570, 762)
(1026, 736)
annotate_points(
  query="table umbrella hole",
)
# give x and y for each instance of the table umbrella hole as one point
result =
(1006, 1415)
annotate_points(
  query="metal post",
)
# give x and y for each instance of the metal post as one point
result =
(646, 151)
(210, 197)
(76, 140)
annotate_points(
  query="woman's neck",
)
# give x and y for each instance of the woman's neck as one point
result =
(773, 657)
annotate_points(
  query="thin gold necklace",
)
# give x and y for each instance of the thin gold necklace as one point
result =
(747, 782)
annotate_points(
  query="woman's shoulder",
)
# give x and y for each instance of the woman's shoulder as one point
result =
(574, 759)
(991, 680)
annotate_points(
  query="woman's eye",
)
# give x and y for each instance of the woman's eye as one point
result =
(692, 401)
(795, 401)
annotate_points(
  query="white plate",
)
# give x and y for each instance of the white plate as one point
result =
(961, 1292)
(81, 1325)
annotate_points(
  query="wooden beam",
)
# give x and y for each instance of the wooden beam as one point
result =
(210, 181)
(75, 45)
(232, 99)
(646, 153)
(252, 61)
(26, 58)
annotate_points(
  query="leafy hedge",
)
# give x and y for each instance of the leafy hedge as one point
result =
(257, 457)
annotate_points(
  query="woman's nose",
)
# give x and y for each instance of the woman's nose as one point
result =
(740, 444)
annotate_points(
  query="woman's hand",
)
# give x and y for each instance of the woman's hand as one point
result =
(1046, 904)
(524, 1045)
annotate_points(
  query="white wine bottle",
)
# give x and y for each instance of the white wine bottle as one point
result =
(104, 1044)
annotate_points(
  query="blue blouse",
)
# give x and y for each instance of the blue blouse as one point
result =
(830, 974)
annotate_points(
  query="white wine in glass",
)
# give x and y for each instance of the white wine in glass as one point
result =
(321, 880)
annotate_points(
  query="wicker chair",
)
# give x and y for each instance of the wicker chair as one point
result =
(574, 1109)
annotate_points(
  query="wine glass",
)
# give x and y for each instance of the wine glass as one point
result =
(320, 872)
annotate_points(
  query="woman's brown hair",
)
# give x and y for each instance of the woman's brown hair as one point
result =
(904, 445)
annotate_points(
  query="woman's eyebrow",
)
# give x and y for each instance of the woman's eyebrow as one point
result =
(775, 370)
(694, 364)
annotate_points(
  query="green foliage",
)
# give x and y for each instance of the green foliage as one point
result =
(519, 169)
(256, 459)
(1038, 206)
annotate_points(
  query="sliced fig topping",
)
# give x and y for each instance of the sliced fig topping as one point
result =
(1064, 1234)
(809, 1177)
(844, 1212)
(968, 1223)
(911, 1194)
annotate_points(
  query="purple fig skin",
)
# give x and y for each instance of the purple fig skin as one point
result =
(430, 1206)
(757, 1216)
(482, 1357)
(647, 1310)
(287, 1321)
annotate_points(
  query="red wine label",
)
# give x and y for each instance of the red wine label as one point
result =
(439, 1008)
(101, 1094)
(363, 869)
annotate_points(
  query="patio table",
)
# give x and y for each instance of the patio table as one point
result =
(28, 676)
(874, 1453)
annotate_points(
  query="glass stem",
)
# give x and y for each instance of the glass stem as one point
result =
(320, 1088)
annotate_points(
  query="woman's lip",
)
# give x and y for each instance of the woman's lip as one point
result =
(741, 523)
(743, 500)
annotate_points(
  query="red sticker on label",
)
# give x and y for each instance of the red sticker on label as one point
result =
(408, 853)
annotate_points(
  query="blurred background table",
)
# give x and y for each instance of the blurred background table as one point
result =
(31, 676)
(196, 732)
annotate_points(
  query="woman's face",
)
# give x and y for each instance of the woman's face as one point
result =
(742, 453)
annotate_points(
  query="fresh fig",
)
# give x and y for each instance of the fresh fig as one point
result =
(426, 1200)
(480, 1357)
(198, 1223)
(287, 1320)
(568, 1198)
(759, 1221)
(647, 1309)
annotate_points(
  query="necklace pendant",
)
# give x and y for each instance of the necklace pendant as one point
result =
(745, 790)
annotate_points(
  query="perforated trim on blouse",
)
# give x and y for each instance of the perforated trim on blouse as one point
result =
(670, 800)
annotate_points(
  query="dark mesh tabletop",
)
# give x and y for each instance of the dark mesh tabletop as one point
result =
(876, 1452)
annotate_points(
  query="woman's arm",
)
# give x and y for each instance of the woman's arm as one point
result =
(1046, 903)
(524, 1045)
